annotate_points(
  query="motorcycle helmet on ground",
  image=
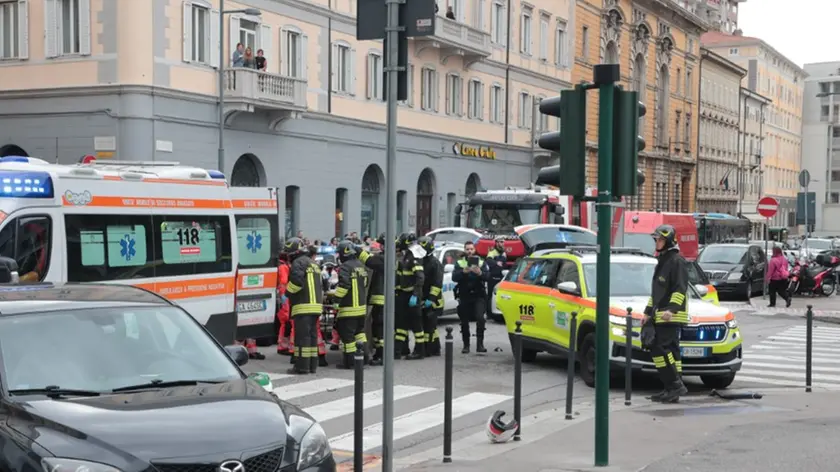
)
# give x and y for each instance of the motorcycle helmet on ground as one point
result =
(426, 243)
(498, 431)
(346, 250)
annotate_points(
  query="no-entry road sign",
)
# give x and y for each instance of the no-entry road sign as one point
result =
(767, 207)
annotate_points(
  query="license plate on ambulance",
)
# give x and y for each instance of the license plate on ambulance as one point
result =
(694, 352)
(250, 306)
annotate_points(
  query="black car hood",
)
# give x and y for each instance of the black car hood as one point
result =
(214, 422)
(721, 267)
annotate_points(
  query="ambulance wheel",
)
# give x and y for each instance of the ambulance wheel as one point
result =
(718, 382)
(587, 360)
(529, 355)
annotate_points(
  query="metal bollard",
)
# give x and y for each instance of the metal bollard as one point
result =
(628, 358)
(359, 408)
(570, 368)
(517, 380)
(809, 345)
(447, 396)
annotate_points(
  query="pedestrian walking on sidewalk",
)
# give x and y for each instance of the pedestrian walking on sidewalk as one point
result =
(777, 277)
(666, 309)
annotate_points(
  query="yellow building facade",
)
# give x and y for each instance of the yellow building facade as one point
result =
(657, 45)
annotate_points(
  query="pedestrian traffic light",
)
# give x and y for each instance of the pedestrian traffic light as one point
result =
(569, 142)
(626, 142)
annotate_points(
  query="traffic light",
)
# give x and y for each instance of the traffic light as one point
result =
(569, 142)
(627, 143)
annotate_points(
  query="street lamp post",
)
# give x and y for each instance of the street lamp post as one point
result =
(222, 13)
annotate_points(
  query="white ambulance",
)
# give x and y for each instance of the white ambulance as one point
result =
(178, 231)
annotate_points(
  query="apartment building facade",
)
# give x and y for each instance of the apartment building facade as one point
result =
(774, 76)
(137, 80)
(754, 108)
(657, 45)
(720, 15)
(718, 169)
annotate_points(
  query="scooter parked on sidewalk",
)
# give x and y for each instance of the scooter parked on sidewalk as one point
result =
(816, 277)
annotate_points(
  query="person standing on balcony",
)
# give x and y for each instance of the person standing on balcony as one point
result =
(248, 59)
(260, 61)
(450, 13)
(236, 61)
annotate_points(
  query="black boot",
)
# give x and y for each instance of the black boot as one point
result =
(434, 347)
(301, 366)
(346, 361)
(419, 352)
(292, 359)
(674, 392)
(377, 357)
(657, 397)
(465, 337)
(322, 361)
(479, 344)
(313, 364)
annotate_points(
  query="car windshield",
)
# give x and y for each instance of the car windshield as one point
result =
(461, 237)
(502, 218)
(819, 244)
(103, 349)
(722, 255)
(555, 234)
(640, 241)
(627, 279)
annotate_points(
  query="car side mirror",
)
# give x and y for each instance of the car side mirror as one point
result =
(702, 290)
(8, 271)
(570, 288)
(238, 353)
(448, 268)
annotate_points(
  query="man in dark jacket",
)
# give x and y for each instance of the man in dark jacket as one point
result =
(496, 263)
(352, 301)
(666, 309)
(375, 262)
(471, 274)
(432, 295)
(305, 298)
(410, 280)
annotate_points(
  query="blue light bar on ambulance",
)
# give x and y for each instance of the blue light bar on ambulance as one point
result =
(14, 159)
(26, 185)
(214, 174)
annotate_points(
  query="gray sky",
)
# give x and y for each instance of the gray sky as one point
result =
(802, 30)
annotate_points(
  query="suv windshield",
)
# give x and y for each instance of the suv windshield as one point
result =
(502, 218)
(102, 349)
(627, 279)
(640, 241)
(722, 255)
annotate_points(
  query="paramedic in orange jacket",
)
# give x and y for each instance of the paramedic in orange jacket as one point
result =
(283, 306)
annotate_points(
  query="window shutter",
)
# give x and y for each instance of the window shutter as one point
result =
(215, 39)
(380, 73)
(233, 34)
(504, 30)
(494, 21)
(303, 57)
(84, 27)
(186, 34)
(50, 29)
(435, 91)
(470, 100)
(352, 72)
(282, 41)
(265, 44)
(23, 29)
(448, 108)
(459, 96)
(369, 77)
(334, 67)
(480, 107)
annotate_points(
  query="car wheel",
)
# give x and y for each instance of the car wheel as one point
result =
(529, 355)
(497, 318)
(718, 382)
(587, 360)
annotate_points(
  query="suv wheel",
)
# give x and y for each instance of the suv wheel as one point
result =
(718, 382)
(587, 359)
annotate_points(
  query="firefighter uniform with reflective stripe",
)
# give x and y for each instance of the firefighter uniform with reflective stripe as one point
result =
(376, 299)
(432, 302)
(668, 293)
(410, 280)
(352, 307)
(305, 296)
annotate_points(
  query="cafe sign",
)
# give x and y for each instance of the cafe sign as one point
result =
(474, 151)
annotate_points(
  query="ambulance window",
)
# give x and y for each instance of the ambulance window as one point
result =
(255, 237)
(568, 273)
(192, 244)
(27, 240)
(109, 247)
(539, 272)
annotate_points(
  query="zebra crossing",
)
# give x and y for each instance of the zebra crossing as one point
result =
(417, 409)
(780, 359)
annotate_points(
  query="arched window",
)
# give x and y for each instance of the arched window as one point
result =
(611, 54)
(473, 185)
(247, 172)
(371, 200)
(425, 201)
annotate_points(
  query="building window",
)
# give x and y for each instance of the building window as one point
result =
(678, 129)
(12, 30)
(409, 101)
(478, 14)
(525, 31)
(544, 20)
(687, 133)
(248, 34)
(475, 100)
(429, 90)
(497, 103)
(544, 119)
(374, 76)
(662, 106)
(498, 23)
(560, 45)
(525, 110)
(679, 81)
(457, 9)
(292, 210)
(343, 68)
(733, 51)
(689, 85)
(584, 51)
(835, 197)
(294, 54)
(200, 34)
(454, 95)
(70, 27)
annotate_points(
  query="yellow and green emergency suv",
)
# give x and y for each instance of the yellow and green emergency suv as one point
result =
(352, 301)
(546, 287)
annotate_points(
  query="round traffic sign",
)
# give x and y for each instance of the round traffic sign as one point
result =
(804, 178)
(767, 207)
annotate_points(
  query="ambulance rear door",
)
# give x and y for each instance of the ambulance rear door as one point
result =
(257, 236)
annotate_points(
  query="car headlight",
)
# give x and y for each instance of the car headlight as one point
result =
(733, 323)
(314, 447)
(622, 321)
(58, 464)
(734, 276)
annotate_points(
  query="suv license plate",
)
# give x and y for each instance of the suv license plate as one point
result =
(247, 307)
(694, 352)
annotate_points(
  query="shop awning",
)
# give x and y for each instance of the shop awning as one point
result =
(754, 217)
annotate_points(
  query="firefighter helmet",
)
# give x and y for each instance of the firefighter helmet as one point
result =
(381, 239)
(666, 232)
(294, 247)
(498, 431)
(347, 250)
(426, 243)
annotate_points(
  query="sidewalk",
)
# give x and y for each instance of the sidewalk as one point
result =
(700, 434)
(825, 309)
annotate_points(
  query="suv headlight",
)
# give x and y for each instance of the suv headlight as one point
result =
(58, 464)
(733, 323)
(314, 447)
(734, 276)
(622, 321)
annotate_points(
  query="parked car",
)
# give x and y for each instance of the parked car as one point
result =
(735, 270)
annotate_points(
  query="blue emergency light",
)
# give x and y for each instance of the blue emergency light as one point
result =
(215, 174)
(26, 184)
(14, 159)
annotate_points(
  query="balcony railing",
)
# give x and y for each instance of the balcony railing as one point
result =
(456, 39)
(251, 88)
